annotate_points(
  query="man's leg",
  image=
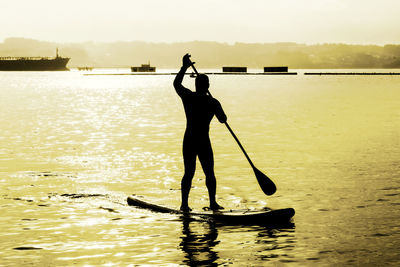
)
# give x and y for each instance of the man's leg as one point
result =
(206, 158)
(189, 160)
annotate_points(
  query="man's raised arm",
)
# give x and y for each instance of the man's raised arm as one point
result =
(179, 77)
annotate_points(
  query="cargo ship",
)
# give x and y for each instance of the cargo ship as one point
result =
(143, 68)
(34, 63)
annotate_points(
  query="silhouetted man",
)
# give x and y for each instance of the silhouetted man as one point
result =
(200, 108)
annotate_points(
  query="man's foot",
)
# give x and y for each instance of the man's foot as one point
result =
(215, 206)
(185, 208)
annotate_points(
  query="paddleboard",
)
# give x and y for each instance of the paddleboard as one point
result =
(248, 217)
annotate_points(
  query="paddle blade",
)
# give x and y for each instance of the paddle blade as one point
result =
(266, 184)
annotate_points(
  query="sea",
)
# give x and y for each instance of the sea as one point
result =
(74, 146)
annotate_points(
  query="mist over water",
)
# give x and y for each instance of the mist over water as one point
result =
(73, 147)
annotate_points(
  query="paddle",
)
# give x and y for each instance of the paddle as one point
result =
(266, 184)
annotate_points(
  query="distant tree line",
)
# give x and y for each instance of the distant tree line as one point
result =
(210, 54)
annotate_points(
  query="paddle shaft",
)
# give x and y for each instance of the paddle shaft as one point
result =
(230, 130)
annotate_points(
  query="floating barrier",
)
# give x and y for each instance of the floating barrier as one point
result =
(207, 73)
(352, 73)
(276, 69)
(234, 69)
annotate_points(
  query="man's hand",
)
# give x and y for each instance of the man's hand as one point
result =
(186, 62)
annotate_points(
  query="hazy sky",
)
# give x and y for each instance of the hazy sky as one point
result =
(303, 21)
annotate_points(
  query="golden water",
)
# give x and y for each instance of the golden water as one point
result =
(73, 147)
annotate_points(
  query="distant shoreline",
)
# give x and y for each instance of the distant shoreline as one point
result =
(211, 54)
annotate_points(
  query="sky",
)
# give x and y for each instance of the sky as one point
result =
(228, 21)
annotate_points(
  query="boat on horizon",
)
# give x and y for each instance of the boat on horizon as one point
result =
(85, 68)
(144, 68)
(56, 63)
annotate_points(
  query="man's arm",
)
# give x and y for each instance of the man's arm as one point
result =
(180, 89)
(219, 112)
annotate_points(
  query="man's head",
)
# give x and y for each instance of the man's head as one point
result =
(202, 83)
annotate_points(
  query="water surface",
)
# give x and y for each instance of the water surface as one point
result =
(73, 147)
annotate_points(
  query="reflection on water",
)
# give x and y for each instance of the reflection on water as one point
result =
(198, 242)
(273, 241)
(73, 147)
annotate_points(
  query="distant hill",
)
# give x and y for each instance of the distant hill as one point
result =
(210, 54)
